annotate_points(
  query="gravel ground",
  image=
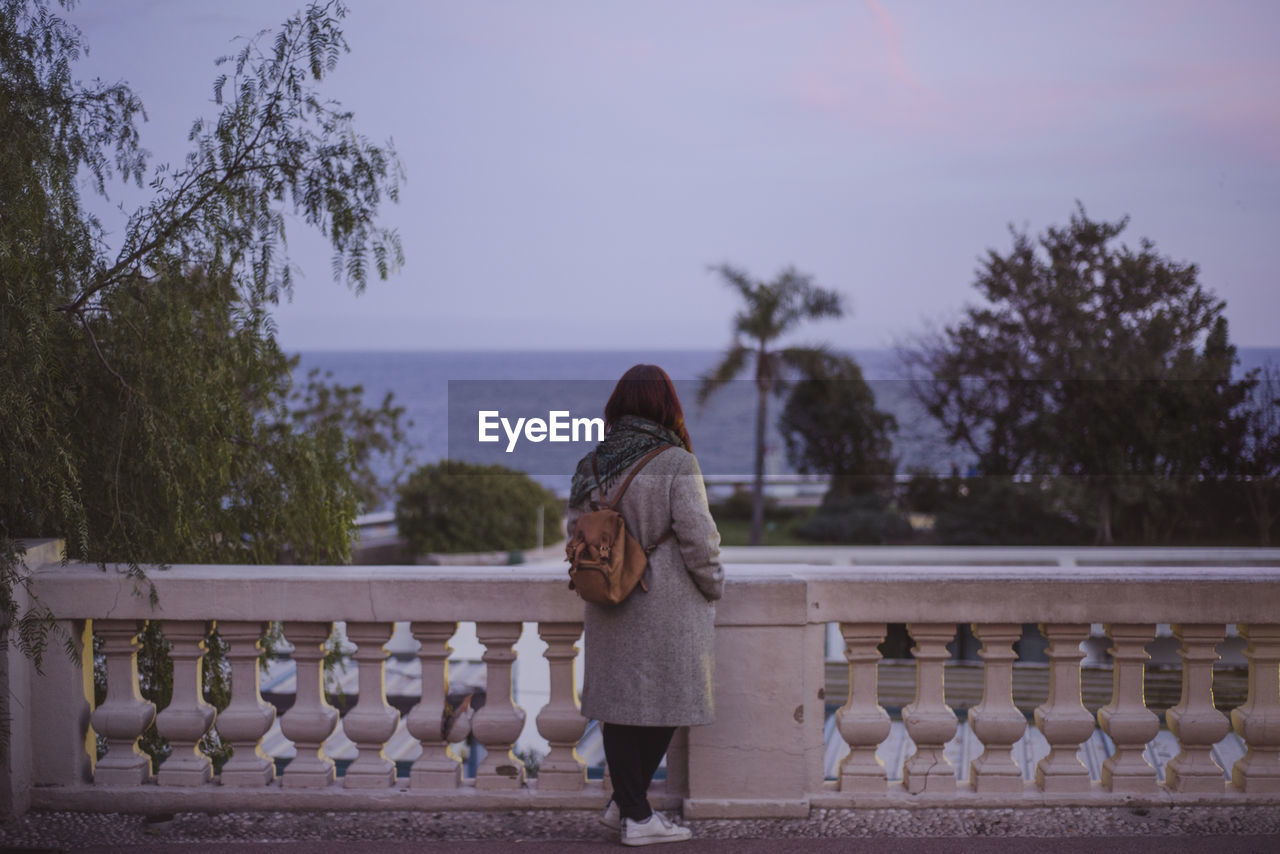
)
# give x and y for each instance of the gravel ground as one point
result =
(71, 831)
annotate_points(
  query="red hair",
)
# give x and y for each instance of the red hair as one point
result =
(647, 391)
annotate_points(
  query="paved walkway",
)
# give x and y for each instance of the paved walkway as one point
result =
(970, 845)
(1122, 830)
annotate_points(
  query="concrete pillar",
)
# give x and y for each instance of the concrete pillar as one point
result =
(763, 755)
(64, 747)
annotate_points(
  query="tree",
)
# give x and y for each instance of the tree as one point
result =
(772, 309)
(145, 398)
(1256, 460)
(1090, 360)
(831, 425)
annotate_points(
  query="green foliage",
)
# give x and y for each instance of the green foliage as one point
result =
(148, 413)
(461, 507)
(997, 511)
(859, 519)
(831, 426)
(737, 507)
(925, 492)
(1089, 360)
(771, 310)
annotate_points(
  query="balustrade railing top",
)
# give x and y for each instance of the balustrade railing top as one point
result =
(765, 753)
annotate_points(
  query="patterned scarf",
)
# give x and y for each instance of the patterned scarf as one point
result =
(630, 439)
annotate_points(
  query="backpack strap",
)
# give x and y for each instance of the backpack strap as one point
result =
(668, 535)
(635, 470)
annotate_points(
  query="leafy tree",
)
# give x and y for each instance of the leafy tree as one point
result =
(1091, 360)
(1256, 460)
(831, 425)
(771, 310)
(145, 398)
(454, 506)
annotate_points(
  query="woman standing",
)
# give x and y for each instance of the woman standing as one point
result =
(650, 661)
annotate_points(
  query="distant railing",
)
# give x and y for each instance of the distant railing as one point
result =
(764, 756)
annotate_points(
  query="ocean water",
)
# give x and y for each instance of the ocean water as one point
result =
(441, 390)
(436, 389)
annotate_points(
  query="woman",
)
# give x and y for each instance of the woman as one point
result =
(649, 661)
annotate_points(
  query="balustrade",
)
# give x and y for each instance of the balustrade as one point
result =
(1195, 721)
(311, 719)
(853, 601)
(930, 721)
(1063, 719)
(560, 722)
(124, 715)
(372, 721)
(498, 724)
(187, 717)
(862, 721)
(428, 722)
(1258, 720)
(247, 718)
(996, 720)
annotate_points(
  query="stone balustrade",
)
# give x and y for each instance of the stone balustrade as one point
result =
(762, 757)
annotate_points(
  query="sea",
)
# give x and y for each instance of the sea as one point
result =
(444, 392)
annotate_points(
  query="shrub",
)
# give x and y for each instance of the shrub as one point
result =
(737, 507)
(861, 520)
(461, 507)
(995, 511)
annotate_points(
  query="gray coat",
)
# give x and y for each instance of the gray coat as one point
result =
(650, 661)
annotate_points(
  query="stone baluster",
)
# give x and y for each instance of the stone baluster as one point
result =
(311, 719)
(498, 724)
(124, 714)
(1258, 720)
(1126, 718)
(1063, 720)
(372, 720)
(929, 720)
(437, 767)
(996, 720)
(248, 717)
(862, 721)
(1195, 721)
(187, 717)
(561, 722)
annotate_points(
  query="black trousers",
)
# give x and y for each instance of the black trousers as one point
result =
(634, 754)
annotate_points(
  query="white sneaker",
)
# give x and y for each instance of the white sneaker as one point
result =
(654, 829)
(611, 817)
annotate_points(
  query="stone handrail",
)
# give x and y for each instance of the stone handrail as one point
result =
(764, 754)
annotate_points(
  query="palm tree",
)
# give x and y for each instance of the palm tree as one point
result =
(772, 309)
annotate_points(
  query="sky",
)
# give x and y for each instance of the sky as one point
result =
(574, 169)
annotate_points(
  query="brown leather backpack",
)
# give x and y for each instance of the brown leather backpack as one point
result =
(606, 562)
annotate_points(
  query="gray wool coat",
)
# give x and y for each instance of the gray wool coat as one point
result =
(650, 661)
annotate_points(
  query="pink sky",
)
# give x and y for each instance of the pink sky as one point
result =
(564, 152)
